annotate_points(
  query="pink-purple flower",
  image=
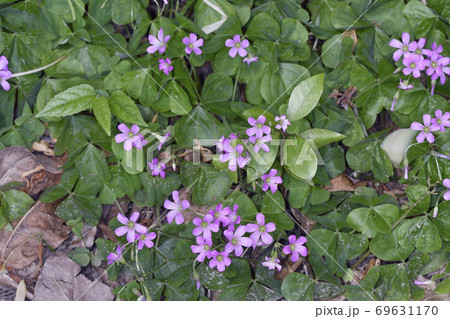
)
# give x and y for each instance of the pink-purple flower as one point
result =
(283, 122)
(403, 47)
(258, 128)
(414, 64)
(261, 230)
(221, 215)
(205, 226)
(272, 263)
(176, 208)
(251, 58)
(234, 217)
(442, 120)
(434, 49)
(117, 256)
(162, 141)
(237, 46)
(192, 44)
(296, 247)
(417, 46)
(446, 183)
(5, 74)
(236, 240)
(157, 168)
(425, 129)
(130, 137)
(219, 260)
(165, 65)
(233, 156)
(145, 239)
(260, 142)
(130, 228)
(272, 181)
(404, 85)
(203, 249)
(158, 44)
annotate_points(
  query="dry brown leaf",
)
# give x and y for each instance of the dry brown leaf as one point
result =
(43, 147)
(288, 268)
(21, 292)
(35, 172)
(23, 244)
(60, 280)
(343, 183)
(306, 224)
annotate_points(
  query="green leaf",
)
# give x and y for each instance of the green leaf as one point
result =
(92, 166)
(102, 113)
(68, 102)
(420, 17)
(300, 158)
(370, 221)
(212, 185)
(443, 287)
(247, 208)
(305, 97)
(273, 208)
(298, 287)
(319, 137)
(387, 247)
(212, 278)
(74, 206)
(125, 109)
(139, 85)
(173, 98)
(15, 204)
(218, 87)
(201, 125)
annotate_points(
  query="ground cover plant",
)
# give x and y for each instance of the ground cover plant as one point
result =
(226, 150)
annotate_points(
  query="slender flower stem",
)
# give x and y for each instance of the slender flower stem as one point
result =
(236, 83)
(38, 69)
(361, 259)
(360, 120)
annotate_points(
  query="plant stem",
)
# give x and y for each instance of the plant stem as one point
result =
(361, 259)
(236, 83)
(38, 69)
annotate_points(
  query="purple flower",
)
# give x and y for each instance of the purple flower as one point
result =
(205, 226)
(220, 142)
(295, 247)
(251, 58)
(162, 141)
(219, 260)
(117, 256)
(403, 47)
(130, 228)
(236, 240)
(435, 64)
(434, 49)
(176, 208)
(417, 46)
(425, 129)
(165, 65)
(414, 64)
(258, 128)
(203, 248)
(446, 183)
(260, 142)
(130, 136)
(158, 44)
(272, 181)
(272, 263)
(5, 74)
(157, 168)
(261, 230)
(283, 122)
(234, 217)
(405, 85)
(221, 215)
(441, 121)
(145, 239)
(192, 44)
(233, 155)
(396, 96)
(237, 46)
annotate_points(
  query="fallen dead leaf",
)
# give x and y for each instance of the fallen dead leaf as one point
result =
(60, 280)
(35, 172)
(43, 147)
(288, 268)
(21, 292)
(343, 183)
(306, 223)
(19, 248)
(351, 34)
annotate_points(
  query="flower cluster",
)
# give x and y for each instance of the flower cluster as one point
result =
(192, 43)
(234, 234)
(131, 137)
(134, 232)
(431, 125)
(5, 74)
(417, 59)
(238, 46)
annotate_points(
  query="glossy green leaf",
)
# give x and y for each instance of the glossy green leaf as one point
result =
(305, 97)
